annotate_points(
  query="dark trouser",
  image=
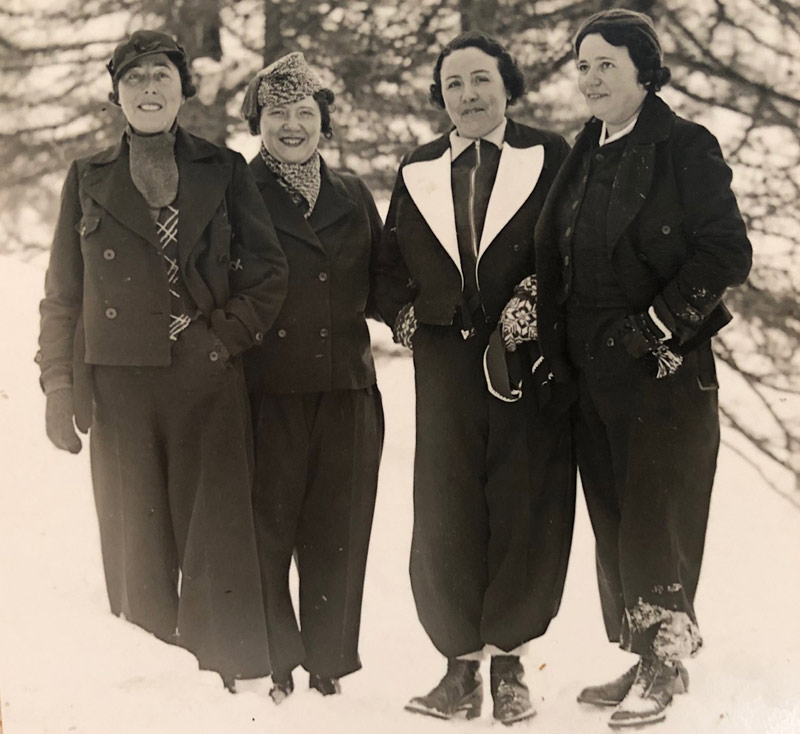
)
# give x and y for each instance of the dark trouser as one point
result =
(172, 472)
(317, 457)
(647, 453)
(494, 490)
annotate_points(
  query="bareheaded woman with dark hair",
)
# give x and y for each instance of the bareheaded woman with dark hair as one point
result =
(493, 479)
(164, 269)
(638, 241)
(318, 414)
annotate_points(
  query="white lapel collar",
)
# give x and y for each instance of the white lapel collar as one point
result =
(517, 174)
(430, 187)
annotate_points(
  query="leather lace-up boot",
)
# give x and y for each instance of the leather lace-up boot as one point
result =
(652, 690)
(512, 701)
(612, 693)
(459, 693)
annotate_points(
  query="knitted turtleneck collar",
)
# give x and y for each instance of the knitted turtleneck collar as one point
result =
(300, 180)
(153, 167)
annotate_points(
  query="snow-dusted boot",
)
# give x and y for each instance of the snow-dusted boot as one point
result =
(325, 685)
(282, 687)
(459, 693)
(612, 693)
(512, 702)
(653, 687)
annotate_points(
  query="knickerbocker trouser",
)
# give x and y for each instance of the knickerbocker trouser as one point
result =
(493, 502)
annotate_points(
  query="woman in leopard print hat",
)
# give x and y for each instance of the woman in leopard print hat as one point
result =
(319, 420)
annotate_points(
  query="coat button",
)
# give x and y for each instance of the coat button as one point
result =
(281, 333)
(515, 247)
(323, 276)
(694, 317)
(599, 157)
(213, 356)
(666, 229)
(223, 258)
(259, 337)
(610, 342)
(642, 257)
(109, 254)
(323, 333)
(111, 312)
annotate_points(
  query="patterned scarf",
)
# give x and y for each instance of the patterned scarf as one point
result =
(300, 180)
(153, 167)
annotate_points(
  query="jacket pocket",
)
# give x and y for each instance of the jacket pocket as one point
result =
(706, 368)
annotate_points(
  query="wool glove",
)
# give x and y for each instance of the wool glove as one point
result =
(641, 335)
(405, 326)
(58, 421)
(518, 319)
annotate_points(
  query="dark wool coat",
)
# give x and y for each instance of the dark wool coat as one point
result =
(320, 340)
(674, 229)
(646, 446)
(420, 261)
(106, 299)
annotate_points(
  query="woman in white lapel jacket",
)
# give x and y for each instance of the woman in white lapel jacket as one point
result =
(493, 481)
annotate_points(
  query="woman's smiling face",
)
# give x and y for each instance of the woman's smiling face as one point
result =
(291, 131)
(609, 81)
(150, 94)
(473, 90)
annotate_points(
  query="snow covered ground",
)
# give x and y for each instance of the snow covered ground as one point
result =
(67, 665)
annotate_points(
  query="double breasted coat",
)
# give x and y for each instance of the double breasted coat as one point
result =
(673, 240)
(170, 422)
(319, 430)
(493, 481)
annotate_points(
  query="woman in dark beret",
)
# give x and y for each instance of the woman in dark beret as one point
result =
(164, 269)
(638, 241)
(319, 420)
(493, 479)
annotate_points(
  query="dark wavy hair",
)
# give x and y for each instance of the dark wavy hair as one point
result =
(509, 71)
(324, 99)
(181, 64)
(635, 31)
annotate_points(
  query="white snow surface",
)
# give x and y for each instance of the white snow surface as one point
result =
(67, 665)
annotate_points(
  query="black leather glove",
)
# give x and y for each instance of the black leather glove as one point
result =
(641, 335)
(518, 319)
(405, 326)
(59, 421)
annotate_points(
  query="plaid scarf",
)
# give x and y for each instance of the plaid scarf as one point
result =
(300, 180)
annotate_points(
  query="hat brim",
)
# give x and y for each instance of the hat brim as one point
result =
(175, 56)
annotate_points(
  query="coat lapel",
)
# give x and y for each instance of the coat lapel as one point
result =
(631, 184)
(517, 174)
(109, 183)
(635, 173)
(429, 185)
(332, 204)
(202, 182)
(285, 215)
